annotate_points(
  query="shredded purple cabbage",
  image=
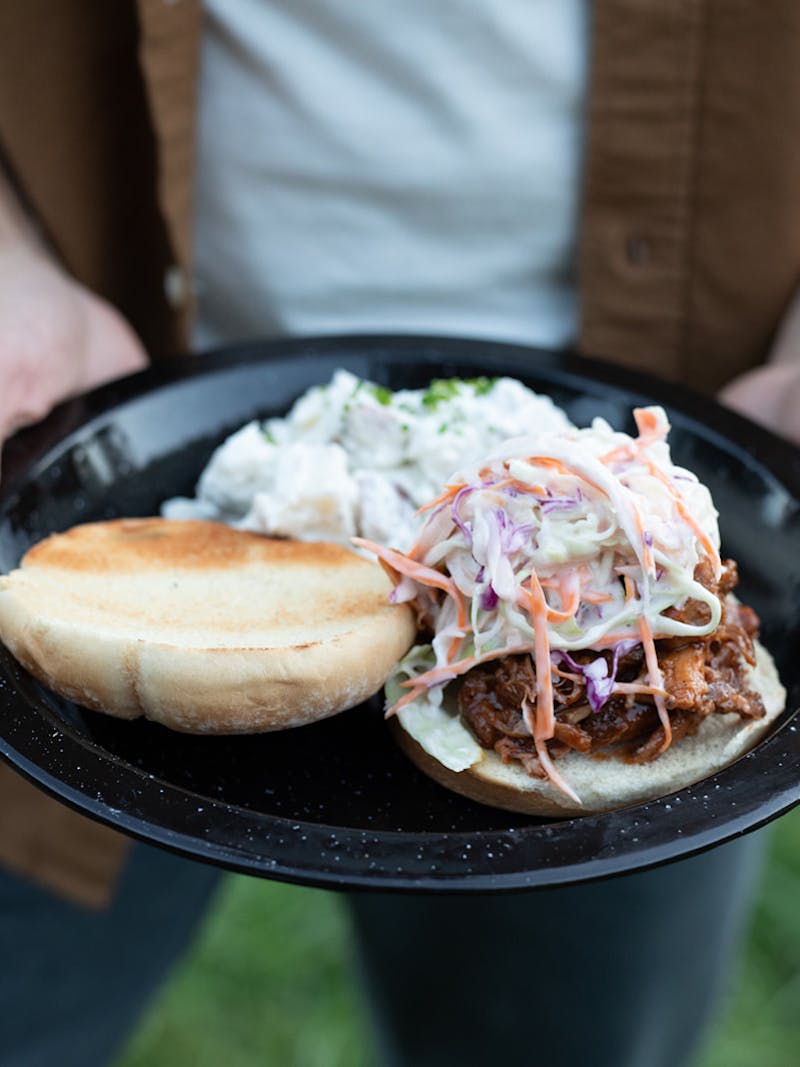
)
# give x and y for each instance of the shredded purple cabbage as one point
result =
(457, 515)
(512, 538)
(599, 680)
(489, 598)
(561, 503)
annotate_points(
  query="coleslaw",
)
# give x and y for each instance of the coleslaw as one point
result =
(553, 543)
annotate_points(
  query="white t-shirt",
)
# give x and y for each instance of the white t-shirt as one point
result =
(390, 165)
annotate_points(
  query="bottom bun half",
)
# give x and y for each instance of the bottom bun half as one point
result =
(603, 781)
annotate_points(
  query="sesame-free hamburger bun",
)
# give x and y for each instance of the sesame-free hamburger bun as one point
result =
(202, 627)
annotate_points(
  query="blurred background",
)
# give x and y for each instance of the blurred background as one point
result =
(270, 982)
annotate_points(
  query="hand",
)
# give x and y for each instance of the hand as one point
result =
(771, 394)
(56, 338)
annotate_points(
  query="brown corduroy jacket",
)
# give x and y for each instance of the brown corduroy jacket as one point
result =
(690, 238)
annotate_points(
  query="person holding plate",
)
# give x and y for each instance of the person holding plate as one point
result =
(620, 178)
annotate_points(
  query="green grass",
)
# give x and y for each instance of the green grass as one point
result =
(269, 983)
(762, 1024)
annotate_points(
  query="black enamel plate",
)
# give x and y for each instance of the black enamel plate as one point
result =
(336, 804)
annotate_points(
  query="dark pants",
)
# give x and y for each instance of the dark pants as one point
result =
(622, 973)
(74, 982)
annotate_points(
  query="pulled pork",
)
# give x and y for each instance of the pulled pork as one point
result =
(702, 676)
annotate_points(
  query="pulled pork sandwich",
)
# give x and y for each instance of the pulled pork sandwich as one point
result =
(580, 646)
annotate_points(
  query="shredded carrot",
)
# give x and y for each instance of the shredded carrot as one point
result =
(570, 592)
(552, 773)
(609, 640)
(648, 426)
(438, 675)
(623, 452)
(656, 679)
(393, 575)
(443, 498)
(553, 464)
(593, 597)
(687, 517)
(638, 687)
(649, 432)
(566, 674)
(407, 698)
(419, 573)
(453, 650)
(570, 599)
(565, 468)
(545, 716)
(520, 486)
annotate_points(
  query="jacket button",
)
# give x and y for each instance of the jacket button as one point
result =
(638, 250)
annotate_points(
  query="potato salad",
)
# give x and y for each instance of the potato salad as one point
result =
(353, 458)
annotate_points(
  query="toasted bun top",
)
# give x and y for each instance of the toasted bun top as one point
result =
(602, 781)
(201, 626)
